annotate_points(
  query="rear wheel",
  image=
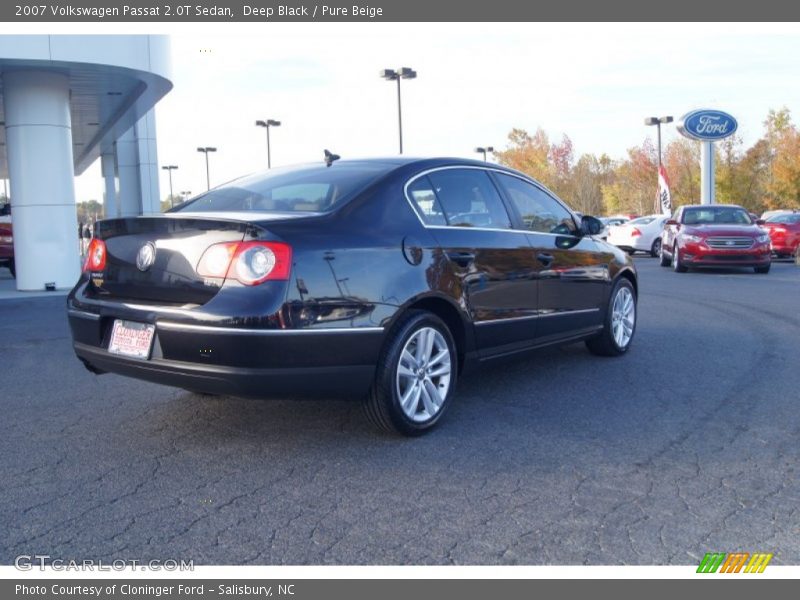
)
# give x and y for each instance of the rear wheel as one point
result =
(677, 265)
(763, 270)
(655, 249)
(620, 322)
(415, 377)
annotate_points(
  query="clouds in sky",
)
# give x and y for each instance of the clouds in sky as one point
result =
(594, 82)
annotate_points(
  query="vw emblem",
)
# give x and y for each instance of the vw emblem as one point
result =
(730, 242)
(146, 256)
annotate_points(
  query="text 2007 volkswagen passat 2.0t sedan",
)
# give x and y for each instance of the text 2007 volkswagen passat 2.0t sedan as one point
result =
(381, 279)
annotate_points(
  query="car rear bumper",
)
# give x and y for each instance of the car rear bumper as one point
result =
(631, 243)
(784, 248)
(346, 380)
(236, 361)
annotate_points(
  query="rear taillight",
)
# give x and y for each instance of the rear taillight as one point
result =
(779, 229)
(250, 263)
(635, 232)
(95, 256)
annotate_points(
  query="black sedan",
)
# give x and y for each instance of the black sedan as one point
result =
(381, 279)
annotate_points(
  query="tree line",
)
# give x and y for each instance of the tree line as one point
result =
(761, 177)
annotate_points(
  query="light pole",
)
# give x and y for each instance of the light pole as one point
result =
(205, 150)
(483, 150)
(657, 121)
(169, 169)
(266, 125)
(397, 75)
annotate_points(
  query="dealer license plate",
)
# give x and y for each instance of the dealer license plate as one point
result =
(131, 339)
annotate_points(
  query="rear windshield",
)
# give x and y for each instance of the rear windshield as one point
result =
(642, 221)
(786, 218)
(306, 189)
(717, 215)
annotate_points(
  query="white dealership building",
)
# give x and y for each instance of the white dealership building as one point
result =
(68, 100)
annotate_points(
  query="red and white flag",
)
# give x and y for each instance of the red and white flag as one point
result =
(664, 196)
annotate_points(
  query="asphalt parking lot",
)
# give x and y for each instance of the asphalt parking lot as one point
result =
(688, 444)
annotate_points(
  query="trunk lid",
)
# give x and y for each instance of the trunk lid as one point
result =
(165, 273)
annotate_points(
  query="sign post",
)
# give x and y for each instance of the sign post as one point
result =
(707, 126)
(707, 173)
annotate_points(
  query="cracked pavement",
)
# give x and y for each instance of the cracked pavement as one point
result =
(688, 444)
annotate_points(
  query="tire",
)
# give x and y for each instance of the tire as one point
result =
(13, 268)
(655, 249)
(664, 260)
(622, 310)
(762, 270)
(405, 345)
(676, 261)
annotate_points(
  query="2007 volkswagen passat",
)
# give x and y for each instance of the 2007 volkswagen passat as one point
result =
(382, 279)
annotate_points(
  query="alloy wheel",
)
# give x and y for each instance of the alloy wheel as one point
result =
(423, 374)
(623, 317)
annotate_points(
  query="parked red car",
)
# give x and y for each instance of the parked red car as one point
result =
(714, 235)
(7, 248)
(784, 233)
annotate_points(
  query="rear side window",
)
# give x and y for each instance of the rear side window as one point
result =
(539, 210)
(421, 193)
(790, 219)
(307, 189)
(468, 198)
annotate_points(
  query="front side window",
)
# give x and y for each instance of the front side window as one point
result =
(459, 198)
(308, 189)
(539, 211)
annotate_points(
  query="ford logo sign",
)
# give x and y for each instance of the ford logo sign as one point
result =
(707, 125)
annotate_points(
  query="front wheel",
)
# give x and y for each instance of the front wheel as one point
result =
(663, 260)
(415, 377)
(677, 265)
(620, 322)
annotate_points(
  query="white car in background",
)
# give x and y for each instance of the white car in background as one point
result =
(609, 222)
(642, 234)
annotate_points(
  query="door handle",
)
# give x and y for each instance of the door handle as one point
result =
(545, 259)
(463, 259)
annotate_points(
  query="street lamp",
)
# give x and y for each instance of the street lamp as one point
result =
(266, 125)
(205, 150)
(169, 169)
(397, 75)
(657, 121)
(482, 150)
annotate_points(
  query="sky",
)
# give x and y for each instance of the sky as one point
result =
(593, 82)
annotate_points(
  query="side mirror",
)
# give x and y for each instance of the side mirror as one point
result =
(760, 221)
(591, 225)
(671, 222)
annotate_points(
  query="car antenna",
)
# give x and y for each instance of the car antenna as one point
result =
(330, 157)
